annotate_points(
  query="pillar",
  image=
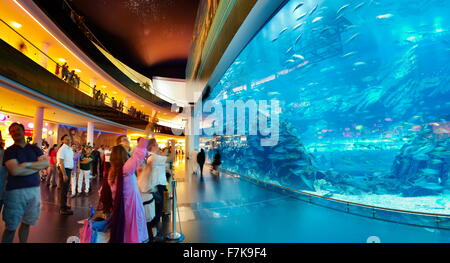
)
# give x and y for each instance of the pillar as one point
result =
(191, 139)
(38, 125)
(90, 133)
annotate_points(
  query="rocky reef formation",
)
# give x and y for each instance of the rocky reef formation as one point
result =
(422, 166)
(287, 163)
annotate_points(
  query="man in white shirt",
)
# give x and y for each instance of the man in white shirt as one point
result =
(65, 164)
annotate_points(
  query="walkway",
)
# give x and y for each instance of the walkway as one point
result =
(226, 209)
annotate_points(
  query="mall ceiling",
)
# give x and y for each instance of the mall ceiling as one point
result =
(151, 36)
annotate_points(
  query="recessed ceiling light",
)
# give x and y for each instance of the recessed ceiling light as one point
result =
(77, 70)
(16, 25)
(104, 86)
(114, 92)
(62, 60)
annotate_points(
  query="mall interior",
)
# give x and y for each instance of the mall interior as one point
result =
(321, 121)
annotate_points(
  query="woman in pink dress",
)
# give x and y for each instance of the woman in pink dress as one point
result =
(128, 222)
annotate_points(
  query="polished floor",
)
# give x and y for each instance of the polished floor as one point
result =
(226, 209)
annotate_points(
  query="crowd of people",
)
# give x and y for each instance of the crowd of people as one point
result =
(69, 76)
(137, 114)
(133, 197)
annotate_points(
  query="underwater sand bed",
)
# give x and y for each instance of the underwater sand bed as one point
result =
(425, 204)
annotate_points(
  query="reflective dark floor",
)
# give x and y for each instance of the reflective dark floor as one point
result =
(226, 209)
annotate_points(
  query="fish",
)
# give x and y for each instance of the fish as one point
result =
(274, 93)
(368, 79)
(299, 56)
(421, 157)
(342, 9)
(298, 25)
(302, 16)
(385, 16)
(349, 54)
(289, 50)
(359, 6)
(357, 64)
(317, 19)
(313, 10)
(430, 186)
(297, 39)
(290, 61)
(282, 31)
(275, 39)
(339, 17)
(443, 154)
(298, 6)
(436, 161)
(352, 38)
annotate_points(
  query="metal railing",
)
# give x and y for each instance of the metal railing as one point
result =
(348, 204)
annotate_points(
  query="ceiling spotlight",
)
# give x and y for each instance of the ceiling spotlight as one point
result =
(77, 70)
(16, 25)
(62, 60)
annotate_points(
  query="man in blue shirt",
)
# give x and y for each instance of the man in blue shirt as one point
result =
(22, 198)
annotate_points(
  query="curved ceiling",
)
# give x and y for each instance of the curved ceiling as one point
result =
(151, 36)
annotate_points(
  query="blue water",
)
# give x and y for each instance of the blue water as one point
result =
(364, 91)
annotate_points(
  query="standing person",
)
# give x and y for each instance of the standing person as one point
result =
(100, 160)
(65, 164)
(22, 198)
(107, 159)
(124, 142)
(2, 171)
(76, 170)
(158, 162)
(64, 71)
(201, 160)
(216, 162)
(95, 160)
(57, 70)
(128, 224)
(70, 76)
(52, 170)
(85, 169)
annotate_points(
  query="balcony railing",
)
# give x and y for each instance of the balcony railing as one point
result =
(29, 49)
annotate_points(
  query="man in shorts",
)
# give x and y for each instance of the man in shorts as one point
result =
(22, 200)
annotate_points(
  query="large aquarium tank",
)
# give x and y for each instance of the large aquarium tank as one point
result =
(364, 93)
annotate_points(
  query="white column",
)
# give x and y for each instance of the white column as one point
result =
(191, 140)
(38, 125)
(90, 133)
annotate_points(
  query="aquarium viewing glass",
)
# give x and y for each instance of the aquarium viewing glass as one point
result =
(364, 91)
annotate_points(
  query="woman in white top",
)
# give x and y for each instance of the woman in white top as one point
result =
(152, 184)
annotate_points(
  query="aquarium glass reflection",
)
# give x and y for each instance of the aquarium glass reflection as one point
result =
(364, 87)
